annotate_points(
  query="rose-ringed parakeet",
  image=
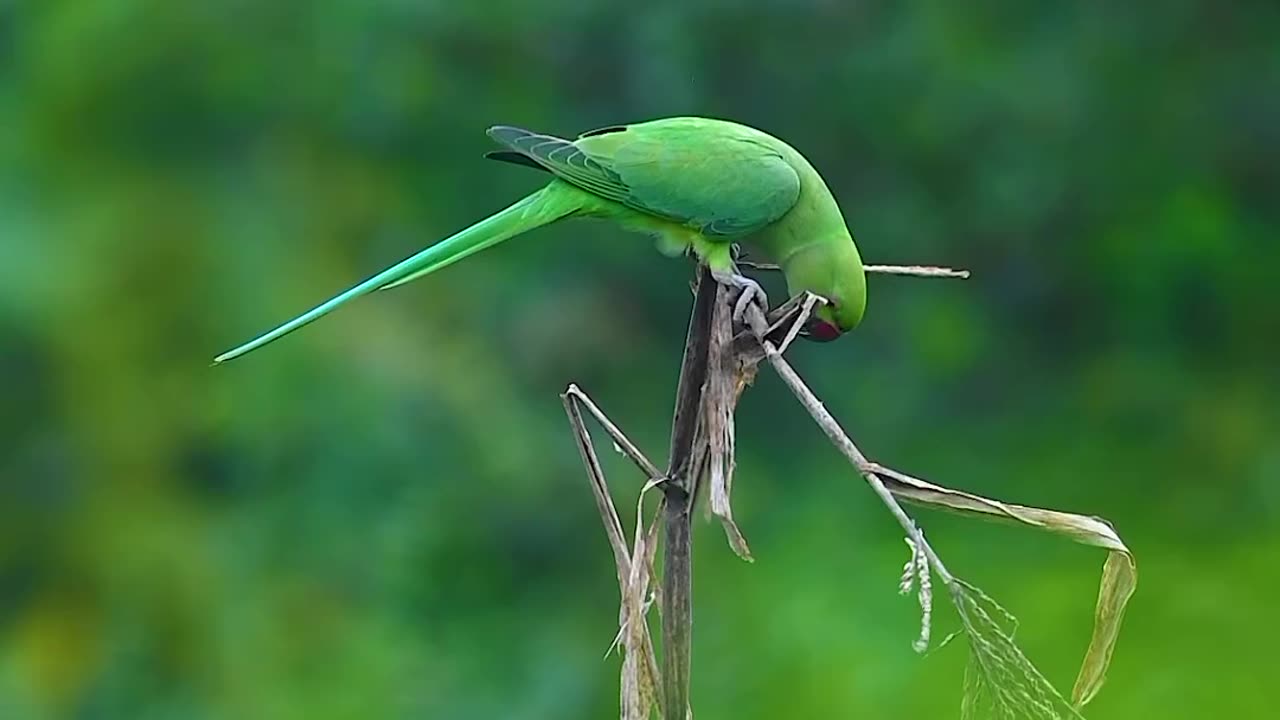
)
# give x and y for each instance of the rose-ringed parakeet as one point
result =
(696, 184)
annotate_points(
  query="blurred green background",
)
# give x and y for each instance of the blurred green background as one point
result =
(384, 516)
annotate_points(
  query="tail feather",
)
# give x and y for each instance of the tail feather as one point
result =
(540, 208)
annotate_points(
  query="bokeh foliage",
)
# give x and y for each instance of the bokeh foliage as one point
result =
(383, 515)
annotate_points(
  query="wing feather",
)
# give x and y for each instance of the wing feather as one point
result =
(714, 177)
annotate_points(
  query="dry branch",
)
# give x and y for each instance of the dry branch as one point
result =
(679, 487)
(640, 677)
(717, 365)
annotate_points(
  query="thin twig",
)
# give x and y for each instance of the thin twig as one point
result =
(915, 270)
(918, 271)
(640, 677)
(629, 449)
(810, 301)
(840, 439)
(599, 488)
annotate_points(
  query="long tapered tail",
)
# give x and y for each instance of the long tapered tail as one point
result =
(545, 206)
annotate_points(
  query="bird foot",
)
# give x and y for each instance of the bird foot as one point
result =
(750, 291)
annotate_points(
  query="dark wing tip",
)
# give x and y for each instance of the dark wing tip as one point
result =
(513, 157)
(604, 131)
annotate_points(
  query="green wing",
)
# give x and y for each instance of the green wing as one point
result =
(718, 178)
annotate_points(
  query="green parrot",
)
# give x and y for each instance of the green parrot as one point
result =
(695, 184)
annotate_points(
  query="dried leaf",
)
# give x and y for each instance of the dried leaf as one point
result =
(1119, 573)
(1000, 681)
(639, 640)
(719, 400)
(1119, 579)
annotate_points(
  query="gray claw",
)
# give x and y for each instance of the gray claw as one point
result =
(751, 291)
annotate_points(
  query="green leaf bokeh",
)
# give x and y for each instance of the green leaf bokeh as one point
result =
(383, 515)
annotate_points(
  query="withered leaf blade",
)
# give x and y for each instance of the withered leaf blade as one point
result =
(719, 402)
(1119, 573)
(1119, 580)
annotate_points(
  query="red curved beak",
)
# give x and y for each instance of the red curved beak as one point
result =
(821, 331)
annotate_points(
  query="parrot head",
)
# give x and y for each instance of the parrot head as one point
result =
(832, 271)
(828, 323)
